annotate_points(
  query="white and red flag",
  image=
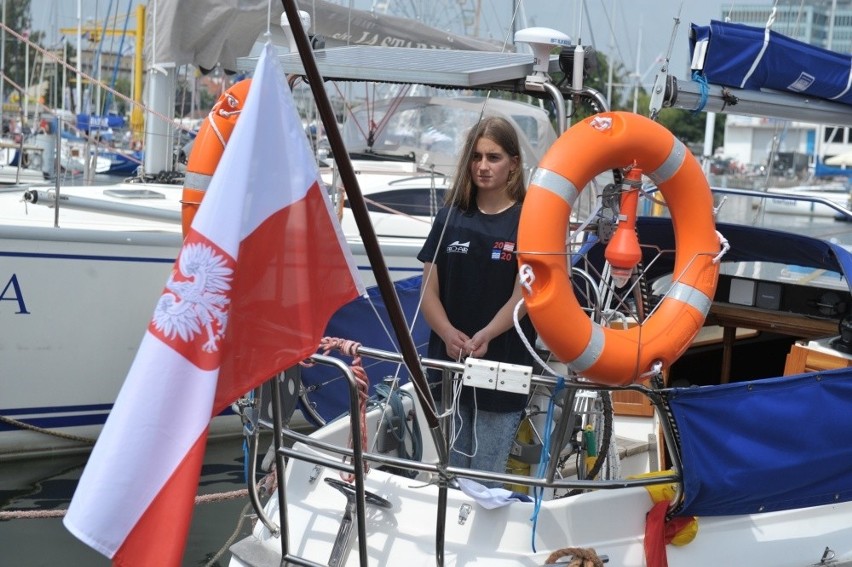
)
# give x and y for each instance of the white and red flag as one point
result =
(260, 273)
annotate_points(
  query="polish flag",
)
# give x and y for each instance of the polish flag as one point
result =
(264, 267)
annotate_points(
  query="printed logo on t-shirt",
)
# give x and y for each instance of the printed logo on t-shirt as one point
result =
(503, 251)
(458, 247)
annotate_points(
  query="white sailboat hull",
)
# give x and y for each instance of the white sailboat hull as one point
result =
(817, 207)
(611, 522)
(76, 300)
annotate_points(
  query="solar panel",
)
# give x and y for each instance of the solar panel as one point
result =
(437, 67)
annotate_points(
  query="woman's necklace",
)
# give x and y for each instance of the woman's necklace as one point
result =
(506, 208)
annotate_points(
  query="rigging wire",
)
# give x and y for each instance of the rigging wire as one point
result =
(90, 78)
(109, 98)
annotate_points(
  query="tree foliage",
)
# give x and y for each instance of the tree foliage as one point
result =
(687, 126)
(596, 76)
(14, 50)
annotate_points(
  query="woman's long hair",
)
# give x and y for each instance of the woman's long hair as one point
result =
(501, 132)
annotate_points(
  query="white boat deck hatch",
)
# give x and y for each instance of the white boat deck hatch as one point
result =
(134, 194)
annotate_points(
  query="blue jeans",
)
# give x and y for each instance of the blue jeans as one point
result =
(483, 439)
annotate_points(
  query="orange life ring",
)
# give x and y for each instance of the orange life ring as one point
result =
(599, 143)
(208, 147)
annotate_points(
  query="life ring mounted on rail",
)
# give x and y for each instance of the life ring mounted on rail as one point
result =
(210, 142)
(607, 141)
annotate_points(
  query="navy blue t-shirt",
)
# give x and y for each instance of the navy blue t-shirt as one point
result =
(477, 271)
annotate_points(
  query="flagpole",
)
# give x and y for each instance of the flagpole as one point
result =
(368, 235)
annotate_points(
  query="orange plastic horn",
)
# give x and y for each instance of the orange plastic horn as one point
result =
(623, 252)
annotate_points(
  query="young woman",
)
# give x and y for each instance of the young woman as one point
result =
(470, 289)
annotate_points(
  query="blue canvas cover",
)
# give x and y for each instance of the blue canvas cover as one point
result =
(772, 444)
(97, 122)
(359, 321)
(823, 170)
(766, 445)
(747, 57)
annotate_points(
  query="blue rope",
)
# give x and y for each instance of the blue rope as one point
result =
(538, 492)
(699, 78)
(248, 429)
(246, 454)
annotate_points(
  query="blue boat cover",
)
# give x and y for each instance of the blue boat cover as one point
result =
(767, 445)
(823, 170)
(365, 320)
(98, 122)
(747, 57)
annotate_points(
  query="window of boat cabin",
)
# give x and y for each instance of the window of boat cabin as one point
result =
(422, 201)
(529, 129)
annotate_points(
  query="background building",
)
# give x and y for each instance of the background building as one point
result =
(824, 23)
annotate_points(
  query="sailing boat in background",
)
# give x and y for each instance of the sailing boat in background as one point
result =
(20, 161)
(101, 128)
(112, 247)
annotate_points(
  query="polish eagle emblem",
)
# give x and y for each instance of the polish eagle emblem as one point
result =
(196, 298)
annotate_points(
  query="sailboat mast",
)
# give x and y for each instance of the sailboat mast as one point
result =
(3, 62)
(477, 13)
(137, 121)
(611, 55)
(25, 117)
(78, 102)
(820, 143)
(638, 71)
(361, 214)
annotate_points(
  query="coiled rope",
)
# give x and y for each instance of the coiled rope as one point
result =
(704, 91)
(399, 427)
(581, 557)
(350, 348)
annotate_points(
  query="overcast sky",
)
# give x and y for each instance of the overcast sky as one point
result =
(623, 28)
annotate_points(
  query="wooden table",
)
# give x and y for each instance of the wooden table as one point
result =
(732, 317)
